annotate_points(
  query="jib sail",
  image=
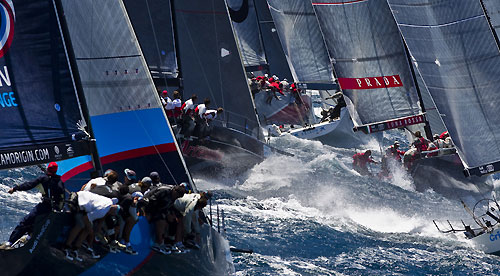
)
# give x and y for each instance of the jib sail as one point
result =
(126, 115)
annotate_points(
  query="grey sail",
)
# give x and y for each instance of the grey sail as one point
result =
(492, 8)
(122, 101)
(276, 59)
(214, 71)
(246, 27)
(370, 62)
(152, 22)
(459, 61)
(302, 40)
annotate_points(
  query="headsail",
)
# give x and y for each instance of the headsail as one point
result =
(215, 70)
(370, 62)
(125, 112)
(39, 108)
(459, 61)
(302, 40)
(246, 27)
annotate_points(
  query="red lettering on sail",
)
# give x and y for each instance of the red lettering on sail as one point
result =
(370, 82)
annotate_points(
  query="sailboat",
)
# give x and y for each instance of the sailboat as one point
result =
(200, 37)
(95, 107)
(262, 54)
(309, 62)
(459, 63)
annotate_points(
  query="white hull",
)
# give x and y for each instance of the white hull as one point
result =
(488, 242)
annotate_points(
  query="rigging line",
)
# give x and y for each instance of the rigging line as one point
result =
(153, 144)
(155, 38)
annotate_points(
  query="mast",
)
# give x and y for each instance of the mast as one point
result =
(96, 161)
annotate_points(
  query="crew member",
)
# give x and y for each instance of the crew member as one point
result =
(360, 161)
(52, 189)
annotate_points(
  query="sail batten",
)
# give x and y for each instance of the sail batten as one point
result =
(459, 61)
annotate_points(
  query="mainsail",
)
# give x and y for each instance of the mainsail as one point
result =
(246, 27)
(370, 62)
(125, 112)
(459, 61)
(302, 40)
(215, 70)
(39, 109)
(152, 22)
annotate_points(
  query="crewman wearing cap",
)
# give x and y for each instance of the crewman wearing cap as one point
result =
(391, 153)
(52, 189)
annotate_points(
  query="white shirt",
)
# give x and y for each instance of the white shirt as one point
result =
(168, 103)
(96, 206)
(210, 114)
(188, 105)
(98, 181)
(202, 108)
(185, 205)
(176, 103)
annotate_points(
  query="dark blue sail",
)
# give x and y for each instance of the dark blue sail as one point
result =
(211, 63)
(152, 22)
(458, 58)
(39, 108)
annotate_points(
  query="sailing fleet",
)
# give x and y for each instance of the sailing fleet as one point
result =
(398, 63)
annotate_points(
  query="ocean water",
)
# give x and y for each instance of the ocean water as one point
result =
(311, 214)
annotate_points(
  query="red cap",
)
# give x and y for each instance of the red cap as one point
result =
(165, 92)
(52, 168)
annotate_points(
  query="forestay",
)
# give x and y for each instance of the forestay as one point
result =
(459, 61)
(211, 64)
(302, 40)
(152, 22)
(39, 109)
(370, 62)
(126, 115)
(246, 27)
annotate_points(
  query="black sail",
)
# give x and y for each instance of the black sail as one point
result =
(214, 71)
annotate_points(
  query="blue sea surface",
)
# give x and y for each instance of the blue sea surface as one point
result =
(313, 215)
